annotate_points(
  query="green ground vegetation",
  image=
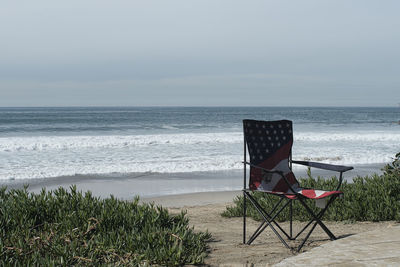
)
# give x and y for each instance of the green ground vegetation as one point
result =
(369, 198)
(69, 228)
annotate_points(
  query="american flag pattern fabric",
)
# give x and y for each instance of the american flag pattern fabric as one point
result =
(269, 144)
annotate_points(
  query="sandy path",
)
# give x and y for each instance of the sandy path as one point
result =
(227, 248)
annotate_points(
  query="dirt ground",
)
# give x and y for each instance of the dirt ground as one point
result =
(227, 249)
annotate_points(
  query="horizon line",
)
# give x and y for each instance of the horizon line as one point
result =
(193, 106)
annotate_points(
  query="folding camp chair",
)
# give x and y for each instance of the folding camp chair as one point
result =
(269, 144)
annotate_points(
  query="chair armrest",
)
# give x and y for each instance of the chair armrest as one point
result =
(324, 166)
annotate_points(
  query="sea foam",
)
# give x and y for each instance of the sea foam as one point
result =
(52, 156)
(45, 143)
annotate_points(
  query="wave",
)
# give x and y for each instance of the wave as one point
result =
(43, 143)
(43, 169)
(121, 165)
(53, 156)
(13, 144)
(353, 136)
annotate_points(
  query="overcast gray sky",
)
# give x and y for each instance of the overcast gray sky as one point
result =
(203, 52)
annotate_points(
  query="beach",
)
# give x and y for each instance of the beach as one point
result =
(105, 106)
(204, 212)
(153, 185)
(188, 159)
(226, 247)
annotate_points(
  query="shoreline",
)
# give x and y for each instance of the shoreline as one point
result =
(155, 185)
(194, 199)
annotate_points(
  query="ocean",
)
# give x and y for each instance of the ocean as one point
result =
(47, 144)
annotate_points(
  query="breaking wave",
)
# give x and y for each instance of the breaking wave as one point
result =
(52, 156)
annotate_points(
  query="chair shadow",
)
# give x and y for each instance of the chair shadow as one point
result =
(327, 239)
(344, 236)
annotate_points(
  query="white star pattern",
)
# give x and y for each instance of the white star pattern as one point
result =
(264, 143)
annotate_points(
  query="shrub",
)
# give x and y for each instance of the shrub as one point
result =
(369, 198)
(69, 228)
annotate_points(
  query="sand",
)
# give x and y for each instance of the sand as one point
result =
(226, 248)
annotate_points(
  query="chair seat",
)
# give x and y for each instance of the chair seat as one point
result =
(308, 193)
(314, 194)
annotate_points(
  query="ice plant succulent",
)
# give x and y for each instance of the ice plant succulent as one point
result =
(67, 227)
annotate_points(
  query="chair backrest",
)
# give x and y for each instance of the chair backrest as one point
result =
(269, 144)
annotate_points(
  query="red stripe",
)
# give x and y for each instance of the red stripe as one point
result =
(278, 156)
(310, 193)
(291, 178)
(307, 194)
(270, 163)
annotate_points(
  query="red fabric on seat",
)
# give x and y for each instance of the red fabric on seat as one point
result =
(308, 193)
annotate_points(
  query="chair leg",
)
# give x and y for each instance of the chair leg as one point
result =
(267, 220)
(306, 238)
(319, 215)
(244, 217)
(257, 232)
(305, 227)
(291, 220)
(271, 219)
(317, 220)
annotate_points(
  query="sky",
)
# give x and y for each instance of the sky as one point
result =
(200, 53)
